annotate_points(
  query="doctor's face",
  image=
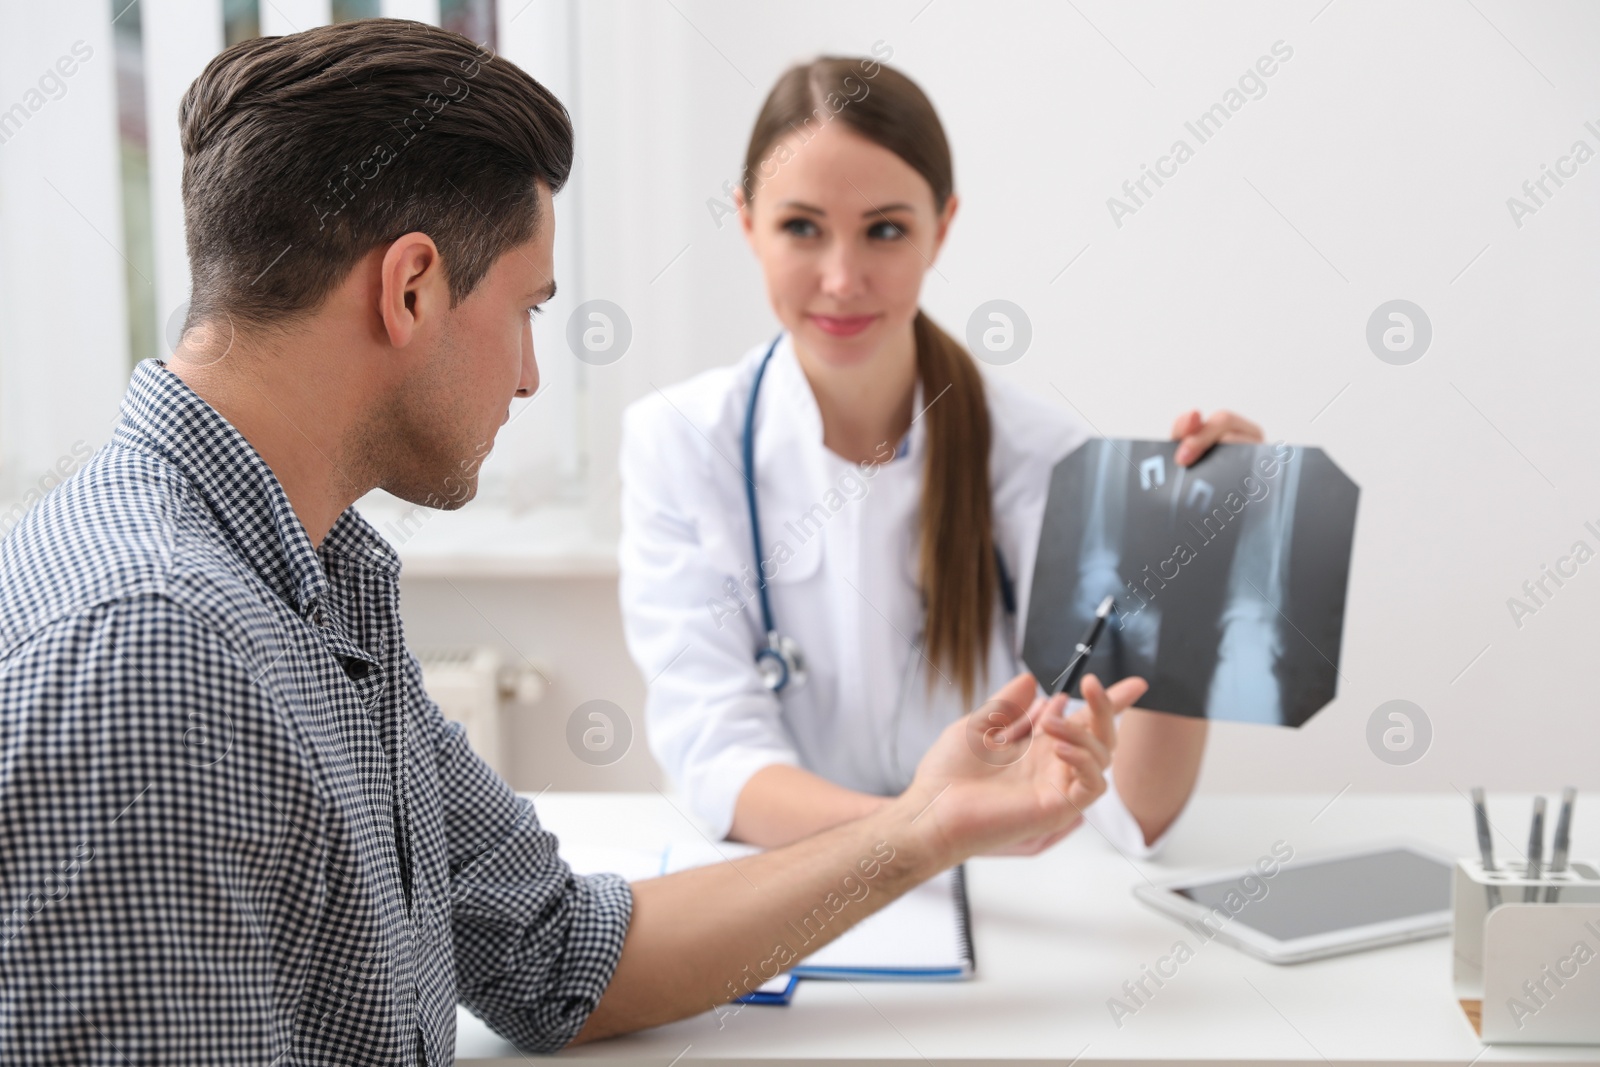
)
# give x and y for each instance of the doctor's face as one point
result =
(845, 230)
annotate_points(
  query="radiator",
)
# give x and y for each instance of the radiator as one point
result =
(471, 686)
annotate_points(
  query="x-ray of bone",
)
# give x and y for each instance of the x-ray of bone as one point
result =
(1229, 575)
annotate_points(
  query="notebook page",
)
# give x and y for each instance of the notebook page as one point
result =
(634, 864)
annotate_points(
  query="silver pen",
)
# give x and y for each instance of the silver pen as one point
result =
(1558, 847)
(1530, 895)
(1080, 655)
(1485, 845)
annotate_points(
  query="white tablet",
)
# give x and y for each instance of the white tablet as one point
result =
(1303, 908)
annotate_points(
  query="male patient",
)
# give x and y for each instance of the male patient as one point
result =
(233, 828)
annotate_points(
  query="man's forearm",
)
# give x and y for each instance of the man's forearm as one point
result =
(1156, 764)
(703, 937)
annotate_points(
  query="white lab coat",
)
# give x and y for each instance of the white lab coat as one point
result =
(841, 552)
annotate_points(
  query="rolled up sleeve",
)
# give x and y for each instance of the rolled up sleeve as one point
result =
(535, 944)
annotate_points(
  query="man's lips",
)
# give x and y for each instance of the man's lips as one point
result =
(843, 325)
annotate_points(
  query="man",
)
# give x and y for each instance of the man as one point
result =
(235, 829)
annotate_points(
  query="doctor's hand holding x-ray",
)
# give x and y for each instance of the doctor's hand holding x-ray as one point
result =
(828, 546)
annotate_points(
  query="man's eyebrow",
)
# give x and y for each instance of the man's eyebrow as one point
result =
(546, 294)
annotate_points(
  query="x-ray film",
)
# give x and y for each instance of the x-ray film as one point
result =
(1229, 575)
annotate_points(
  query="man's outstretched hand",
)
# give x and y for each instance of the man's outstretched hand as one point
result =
(1014, 776)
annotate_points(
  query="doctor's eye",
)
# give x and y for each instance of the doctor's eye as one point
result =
(535, 311)
(800, 227)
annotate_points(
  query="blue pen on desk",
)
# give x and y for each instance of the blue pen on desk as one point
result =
(1080, 655)
(1485, 845)
(1563, 840)
(1530, 895)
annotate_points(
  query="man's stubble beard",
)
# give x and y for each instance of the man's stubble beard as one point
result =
(422, 441)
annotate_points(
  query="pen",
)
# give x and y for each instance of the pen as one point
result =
(1558, 848)
(1530, 895)
(1080, 656)
(1485, 845)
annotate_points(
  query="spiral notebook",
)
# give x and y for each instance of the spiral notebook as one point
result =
(924, 936)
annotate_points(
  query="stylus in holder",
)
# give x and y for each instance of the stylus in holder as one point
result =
(1558, 850)
(1485, 842)
(1521, 976)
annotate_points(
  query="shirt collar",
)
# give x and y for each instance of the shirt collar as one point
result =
(799, 410)
(161, 414)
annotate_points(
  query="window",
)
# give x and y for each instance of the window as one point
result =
(94, 257)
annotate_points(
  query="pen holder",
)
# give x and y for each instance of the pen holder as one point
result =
(1526, 972)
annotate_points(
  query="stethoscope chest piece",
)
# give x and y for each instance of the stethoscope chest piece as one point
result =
(781, 664)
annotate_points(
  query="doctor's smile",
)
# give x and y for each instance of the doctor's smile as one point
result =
(844, 325)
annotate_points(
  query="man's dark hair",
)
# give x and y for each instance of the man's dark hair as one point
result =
(303, 153)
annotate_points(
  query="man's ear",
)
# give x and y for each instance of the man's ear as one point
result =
(413, 291)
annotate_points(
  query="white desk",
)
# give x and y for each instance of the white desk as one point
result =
(1057, 935)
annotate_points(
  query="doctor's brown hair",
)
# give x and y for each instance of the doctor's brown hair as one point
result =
(958, 571)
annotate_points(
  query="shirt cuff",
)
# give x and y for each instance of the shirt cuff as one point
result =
(594, 943)
(714, 787)
(1110, 816)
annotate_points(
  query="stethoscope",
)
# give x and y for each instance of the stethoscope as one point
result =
(780, 662)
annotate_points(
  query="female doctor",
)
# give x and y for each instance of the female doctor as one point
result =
(827, 547)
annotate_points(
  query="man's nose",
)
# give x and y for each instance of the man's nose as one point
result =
(528, 383)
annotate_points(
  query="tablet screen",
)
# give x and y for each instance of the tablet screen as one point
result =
(1321, 896)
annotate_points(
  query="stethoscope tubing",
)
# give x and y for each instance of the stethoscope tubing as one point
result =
(776, 645)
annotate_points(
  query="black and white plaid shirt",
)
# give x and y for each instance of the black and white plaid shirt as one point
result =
(233, 828)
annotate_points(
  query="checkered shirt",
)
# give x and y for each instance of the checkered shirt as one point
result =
(233, 827)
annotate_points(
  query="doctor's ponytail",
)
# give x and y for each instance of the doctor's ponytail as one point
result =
(957, 568)
(959, 572)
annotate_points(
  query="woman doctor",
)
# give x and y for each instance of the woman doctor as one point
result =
(896, 491)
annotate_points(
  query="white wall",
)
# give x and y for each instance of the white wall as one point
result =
(1378, 165)
(571, 631)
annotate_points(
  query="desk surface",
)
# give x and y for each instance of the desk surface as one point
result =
(1057, 935)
